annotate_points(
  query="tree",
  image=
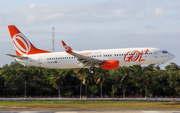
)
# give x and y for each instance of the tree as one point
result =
(57, 80)
(138, 74)
(1, 83)
(124, 77)
(174, 81)
(11, 81)
(24, 77)
(151, 67)
(81, 74)
(172, 67)
(13, 65)
(100, 77)
(87, 79)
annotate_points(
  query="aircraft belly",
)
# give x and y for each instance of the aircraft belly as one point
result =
(65, 64)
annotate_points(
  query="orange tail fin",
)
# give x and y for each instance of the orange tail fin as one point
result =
(22, 45)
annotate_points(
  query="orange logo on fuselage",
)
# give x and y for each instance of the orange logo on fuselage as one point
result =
(86, 53)
(134, 56)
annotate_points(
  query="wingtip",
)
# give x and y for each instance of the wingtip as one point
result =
(64, 44)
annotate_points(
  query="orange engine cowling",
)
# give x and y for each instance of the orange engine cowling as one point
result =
(110, 64)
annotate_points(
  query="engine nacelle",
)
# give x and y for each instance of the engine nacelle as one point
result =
(110, 64)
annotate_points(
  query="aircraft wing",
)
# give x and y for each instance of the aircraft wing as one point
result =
(85, 60)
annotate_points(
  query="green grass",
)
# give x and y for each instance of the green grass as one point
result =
(88, 105)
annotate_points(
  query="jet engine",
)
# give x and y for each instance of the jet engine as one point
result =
(110, 64)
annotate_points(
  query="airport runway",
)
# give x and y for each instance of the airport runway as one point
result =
(97, 111)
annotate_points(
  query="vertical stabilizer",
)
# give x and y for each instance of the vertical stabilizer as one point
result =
(22, 45)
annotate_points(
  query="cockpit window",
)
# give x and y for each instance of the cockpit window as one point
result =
(164, 52)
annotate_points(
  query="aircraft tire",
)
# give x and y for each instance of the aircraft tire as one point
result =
(92, 71)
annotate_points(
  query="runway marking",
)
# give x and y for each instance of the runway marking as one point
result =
(150, 111)
(66, 112)
(34, 112)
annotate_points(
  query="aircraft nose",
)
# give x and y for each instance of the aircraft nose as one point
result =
(171, 56)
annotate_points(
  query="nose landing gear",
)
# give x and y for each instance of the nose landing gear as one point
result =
(158, 68)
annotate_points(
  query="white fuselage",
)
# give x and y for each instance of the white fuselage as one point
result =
(126, 56)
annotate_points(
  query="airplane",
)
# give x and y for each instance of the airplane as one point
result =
(107, 59)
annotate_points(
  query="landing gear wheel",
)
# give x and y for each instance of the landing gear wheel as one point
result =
(158, 68)
(92, 71)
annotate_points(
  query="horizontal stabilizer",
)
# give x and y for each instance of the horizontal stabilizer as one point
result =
(15, 56)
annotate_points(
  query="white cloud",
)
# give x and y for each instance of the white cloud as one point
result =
(33, 5)
(30, 18)
(109, 11)
(158, 11)
(118, 12)
(54, 16)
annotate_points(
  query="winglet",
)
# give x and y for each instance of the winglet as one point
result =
(67, 48)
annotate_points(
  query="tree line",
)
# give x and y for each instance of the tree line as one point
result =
(137, 80)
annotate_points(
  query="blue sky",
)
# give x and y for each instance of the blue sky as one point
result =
(92, 24)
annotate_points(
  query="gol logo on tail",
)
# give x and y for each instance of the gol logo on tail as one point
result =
(22, 46)
(134, 56)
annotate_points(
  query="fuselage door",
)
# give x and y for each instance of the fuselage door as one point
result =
(39, 60)
(155, 54)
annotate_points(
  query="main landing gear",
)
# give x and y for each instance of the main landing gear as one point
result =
(157, 67)
(92, 70)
